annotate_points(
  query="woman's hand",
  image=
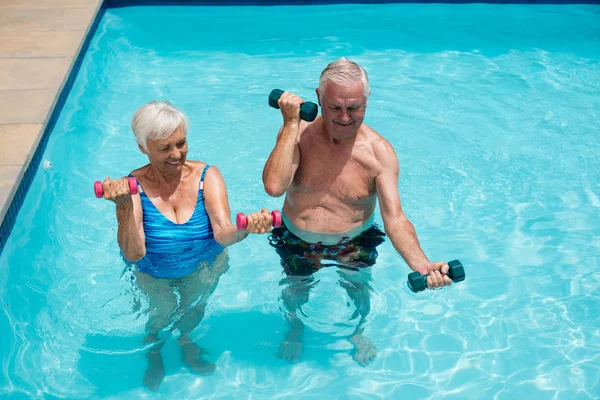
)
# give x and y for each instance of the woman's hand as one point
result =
(117, 191)
(259, 222)
(437, 274)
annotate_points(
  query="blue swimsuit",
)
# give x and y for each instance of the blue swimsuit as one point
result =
(175, 250)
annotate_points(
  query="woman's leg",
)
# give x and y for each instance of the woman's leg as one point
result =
(162, 303)
(195, 289)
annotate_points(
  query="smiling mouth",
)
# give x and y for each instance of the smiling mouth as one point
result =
(173, 162)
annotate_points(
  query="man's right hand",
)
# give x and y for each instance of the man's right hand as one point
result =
(117, 191)
(289, 104)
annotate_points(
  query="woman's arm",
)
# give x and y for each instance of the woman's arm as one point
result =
(217, 207)
(130, 235)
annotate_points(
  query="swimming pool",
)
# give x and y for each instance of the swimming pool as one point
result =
(493, 111)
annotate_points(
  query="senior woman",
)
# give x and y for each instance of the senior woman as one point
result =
(174, 232)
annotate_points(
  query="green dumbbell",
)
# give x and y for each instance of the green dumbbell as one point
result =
(417, 282)
(308, 110)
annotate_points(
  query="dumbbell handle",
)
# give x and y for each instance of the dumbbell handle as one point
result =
(417, 282)
(99, 190)
(308, 110)
(241, 221)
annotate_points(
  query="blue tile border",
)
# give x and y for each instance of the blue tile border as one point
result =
(11, 215)
(17, 201)
(127, 3)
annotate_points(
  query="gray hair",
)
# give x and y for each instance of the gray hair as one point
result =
(344, 72)
(157, 120)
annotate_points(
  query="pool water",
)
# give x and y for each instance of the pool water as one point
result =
(494, 113)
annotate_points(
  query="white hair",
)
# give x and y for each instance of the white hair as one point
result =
(344, 72)
(157, 120)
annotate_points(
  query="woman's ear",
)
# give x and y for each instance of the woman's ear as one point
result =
(142, 149)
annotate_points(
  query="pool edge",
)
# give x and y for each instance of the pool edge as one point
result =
(22, 183)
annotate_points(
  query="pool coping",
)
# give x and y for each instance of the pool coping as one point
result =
(44, 43)
(34, 96)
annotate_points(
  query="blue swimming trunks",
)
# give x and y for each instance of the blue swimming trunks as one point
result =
(176, 250)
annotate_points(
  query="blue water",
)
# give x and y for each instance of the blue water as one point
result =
(494, 114)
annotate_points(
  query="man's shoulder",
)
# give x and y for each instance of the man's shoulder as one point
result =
(381, 153)
(376, 141)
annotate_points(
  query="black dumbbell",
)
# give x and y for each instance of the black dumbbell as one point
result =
(308, 110)
(417, 282)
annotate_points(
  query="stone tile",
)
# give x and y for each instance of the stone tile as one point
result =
(8, 182)
(18, 143)
(46, 19)
(23, 73)
(25, 106)
(40, 44)
(48, 3)
(38, 41)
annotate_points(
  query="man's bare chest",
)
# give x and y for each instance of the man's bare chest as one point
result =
(327, 177)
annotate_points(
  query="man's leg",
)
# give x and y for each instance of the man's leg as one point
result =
(294, 295)
(298, 268)
(356, 256)
(357, 286)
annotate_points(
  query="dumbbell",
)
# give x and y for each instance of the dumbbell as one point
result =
(99, 190)
(241, 221)
(417, 282)
(308, 110)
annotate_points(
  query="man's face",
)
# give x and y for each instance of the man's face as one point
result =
(168, 155)
(343, 108)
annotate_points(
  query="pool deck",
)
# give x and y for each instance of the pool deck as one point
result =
(39, 41)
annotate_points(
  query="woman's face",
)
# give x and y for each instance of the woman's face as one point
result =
(168, 155)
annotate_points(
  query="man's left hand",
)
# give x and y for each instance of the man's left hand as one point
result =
(437, 274)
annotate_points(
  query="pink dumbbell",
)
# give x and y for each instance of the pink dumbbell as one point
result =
(99, 190)
(242, 222)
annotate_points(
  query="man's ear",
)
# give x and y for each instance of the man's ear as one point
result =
(318, 96)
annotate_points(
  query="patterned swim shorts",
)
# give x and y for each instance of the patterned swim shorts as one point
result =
(302, 258)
